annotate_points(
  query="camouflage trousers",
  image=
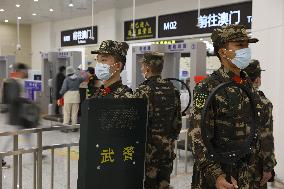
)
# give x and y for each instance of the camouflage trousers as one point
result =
(157, 175)
(200, 182)
(159, 162)
(260, 187)
(255, 183)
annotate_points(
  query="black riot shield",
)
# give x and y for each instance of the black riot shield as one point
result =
(112, 144)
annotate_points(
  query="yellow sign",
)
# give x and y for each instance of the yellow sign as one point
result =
(107, 156)
(165, 42)
(143, 29)
(128, 153)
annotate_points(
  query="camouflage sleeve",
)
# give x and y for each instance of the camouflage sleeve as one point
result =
(177, 124)
(267, 143)
(210, 169)
(143, 91)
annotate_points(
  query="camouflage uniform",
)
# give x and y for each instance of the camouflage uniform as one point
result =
(163, 128)
(264, 157)
(229, 118)
(117, 89)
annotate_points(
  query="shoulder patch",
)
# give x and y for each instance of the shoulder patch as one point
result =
(200, 94)
(200, 100)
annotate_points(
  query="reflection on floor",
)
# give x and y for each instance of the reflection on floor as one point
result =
(181, 181)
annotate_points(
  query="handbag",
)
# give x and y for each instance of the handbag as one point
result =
(60, 102)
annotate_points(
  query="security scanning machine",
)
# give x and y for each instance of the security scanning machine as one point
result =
(51, 62)
(172, 55)
(6, 64)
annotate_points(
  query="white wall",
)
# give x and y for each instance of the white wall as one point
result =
(47, 36)
(269, 29)
(8, 42)
(41, 35)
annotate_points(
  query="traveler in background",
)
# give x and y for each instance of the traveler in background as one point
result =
(58, 84)
(70, 91)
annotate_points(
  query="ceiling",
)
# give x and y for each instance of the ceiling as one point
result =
(61, 9)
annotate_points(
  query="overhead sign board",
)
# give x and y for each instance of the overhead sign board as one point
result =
(144, 29)
(188, 23)
(80, 36)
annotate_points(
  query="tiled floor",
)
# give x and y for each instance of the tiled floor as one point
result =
(179, 181)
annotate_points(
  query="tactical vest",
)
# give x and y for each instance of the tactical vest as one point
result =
(263, 107)
(229, 116)
(162, 99)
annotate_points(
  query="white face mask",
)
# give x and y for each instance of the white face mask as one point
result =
(242, 58)
(103, 71)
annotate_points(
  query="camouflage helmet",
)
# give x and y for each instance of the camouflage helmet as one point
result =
(253, 69)
(225, 34)
(113, 48)
(153, 59)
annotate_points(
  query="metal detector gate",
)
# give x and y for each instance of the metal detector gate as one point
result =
(51, 62)
(5, 65)
(172, 55)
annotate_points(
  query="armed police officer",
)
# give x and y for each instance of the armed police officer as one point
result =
(264, 158)
(164, 123)
(230, 111)
(111, 59)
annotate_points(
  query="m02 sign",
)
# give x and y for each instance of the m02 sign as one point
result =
(170, 25)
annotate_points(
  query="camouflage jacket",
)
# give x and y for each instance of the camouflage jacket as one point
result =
(229, 116)
(164, 114)
(264, 157)
(164, 106)
(116, 90)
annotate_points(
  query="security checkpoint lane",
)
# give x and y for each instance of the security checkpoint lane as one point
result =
(181, 181)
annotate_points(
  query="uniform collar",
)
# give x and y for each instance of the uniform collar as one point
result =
(155, 77)
(115, 86)
(227, 75)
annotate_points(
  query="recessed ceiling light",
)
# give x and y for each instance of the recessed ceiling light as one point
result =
(6, 21)
(19, 18)
(51, 10)
(2, 10)
(34, 14)
(35, 0)
(18, 5)
(71, 5)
